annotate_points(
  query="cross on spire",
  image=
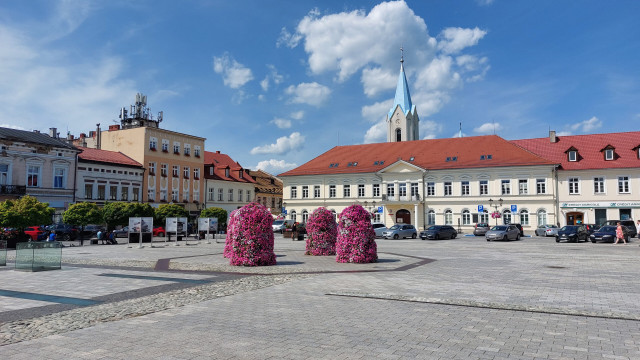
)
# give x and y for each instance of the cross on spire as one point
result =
(401, 54)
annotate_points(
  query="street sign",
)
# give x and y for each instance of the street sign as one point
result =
(379, 209)
(480, 208)
(514, 208)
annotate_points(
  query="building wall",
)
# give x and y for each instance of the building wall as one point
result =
(94, 175)
(212, 193)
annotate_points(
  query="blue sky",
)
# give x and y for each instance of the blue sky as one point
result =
(276, 83)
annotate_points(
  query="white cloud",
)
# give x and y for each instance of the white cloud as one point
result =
(586, 126)
(376, 112)
(282, 123)
(376, 133)
(287, 39)
(274, 166)
(297, 115)
(377, 80)
(430, 129)
(283, 145)
(234, 74)
(264, 84)
(272, 76)
(484, 2)
(456, 39)
(11, 126)
(308, 93)
(488, 128)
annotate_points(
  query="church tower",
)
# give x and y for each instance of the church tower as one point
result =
(402, 120)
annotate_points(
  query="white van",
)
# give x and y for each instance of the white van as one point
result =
(280, 225)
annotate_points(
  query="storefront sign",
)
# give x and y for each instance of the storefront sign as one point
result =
(601, 204)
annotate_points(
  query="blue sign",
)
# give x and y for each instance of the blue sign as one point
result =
(284, 211)
(379, 209)
(514, 208)
(480, 208)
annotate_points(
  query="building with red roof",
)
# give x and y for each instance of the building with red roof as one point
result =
(229, 186)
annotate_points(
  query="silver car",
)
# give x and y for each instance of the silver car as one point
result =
(503, 232)
(379, 228)
(400, 231)
(547, 230)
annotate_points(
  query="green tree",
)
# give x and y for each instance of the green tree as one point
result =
(216, 212)
(114, 214)
(23, 212)
(83, 214)
(165, 211)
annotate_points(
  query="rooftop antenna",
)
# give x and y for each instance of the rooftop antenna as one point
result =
(460, 133)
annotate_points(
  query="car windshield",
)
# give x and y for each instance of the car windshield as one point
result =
(278, 222)
(499, 228)
(608, 228)
(394, 227)
(434, 228)
(482, 225)
(570, 227)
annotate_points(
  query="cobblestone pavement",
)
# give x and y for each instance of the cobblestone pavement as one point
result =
(452, 299)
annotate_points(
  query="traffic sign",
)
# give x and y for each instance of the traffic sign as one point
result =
(480, 208)
(379, 209)
(514, 208)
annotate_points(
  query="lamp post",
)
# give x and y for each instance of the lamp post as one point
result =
(495, 207)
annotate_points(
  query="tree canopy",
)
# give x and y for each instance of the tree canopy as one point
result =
(165, 211)
(24, 212)
(215, 212)
(83, 214)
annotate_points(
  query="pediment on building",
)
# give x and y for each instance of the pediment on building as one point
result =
(401, 166)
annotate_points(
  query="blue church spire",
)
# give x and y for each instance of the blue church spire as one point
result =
(403, 98)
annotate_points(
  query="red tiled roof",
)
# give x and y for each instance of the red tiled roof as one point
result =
(589, 150)
(427, 154)
(222, 162)
(106, 156)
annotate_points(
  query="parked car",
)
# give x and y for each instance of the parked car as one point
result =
(91, 230)
(607, 233)
(503, 232)
(64, 231)
(400, 231)
(591, 228)
(159, 231)
(122, 233)
(437, 232)
(547, 230)
(572, 233)
(280, 225)
(519, 226)
(379, 228)
(629, 224)
(35, 233)
(481, 229)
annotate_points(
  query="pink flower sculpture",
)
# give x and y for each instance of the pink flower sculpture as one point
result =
(356, 238)
(322, 231)
(250, 237)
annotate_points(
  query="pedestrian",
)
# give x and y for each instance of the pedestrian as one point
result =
(619, 234)
(52, 236)
(294, 231)
(638, 229)
(99, 236)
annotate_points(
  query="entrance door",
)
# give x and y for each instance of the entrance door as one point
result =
(601, 216)
(403, 216)
(574, 218)
(625, 214)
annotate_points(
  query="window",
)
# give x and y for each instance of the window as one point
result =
(33, 175)
(598, 185)
(293, 215)
(163, 170)
(305, 192)
(174, 196)
(220, 194)
(608, 154)
(101, 192)
(506, 217)
(240, 193)
(573, 155)
(414, 190)
(574, 186)
(88, 191)
(226, 172)
(346, 191)
(524, 217)
(484, 217)
(360, 190)
(230, 197)
(151, 194)
(152, 168)
(153, 144)
(176, 170)
(542, 217)
(176, 148)
(136, 194)
(391, 190)
(464, 188)
(294, 192)
(448, 190)
(466, 217)
(523, 187)
(316, 191)
(448, 217)
(402, 189)
(249, 197)
(59, 177)
(185, 172)
(196, 151)
(431, 217)
(187, 150)
(506, 187)
(305, 216)
(541, 186)
(484, 187)
(196, 173)
(623, 184)
(211, 194)
(165, 146)
(376, 190)
(113, 192)
(4, 174)
(210, 170)
(332, 191)
(431, 189)
(163, 194)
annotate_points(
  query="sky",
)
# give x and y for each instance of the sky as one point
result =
(276, 83)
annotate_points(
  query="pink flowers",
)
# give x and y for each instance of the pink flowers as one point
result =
(495, 215)
(250, 237)
(356, 238)
(322, 232)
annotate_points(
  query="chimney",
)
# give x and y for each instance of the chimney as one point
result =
(98, 137)
(70, 137)
(552, 136)
(217, 151)
(53, 133)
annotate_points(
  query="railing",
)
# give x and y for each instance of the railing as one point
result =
(13, 189)
(415, 197)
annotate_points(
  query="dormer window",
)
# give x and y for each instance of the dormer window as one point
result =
(241, 174)
(226, 172)
(573, 155)
(608, 154)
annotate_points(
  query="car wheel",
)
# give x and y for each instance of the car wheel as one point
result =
(453, 236)
(518, 237)
(488, 239)
(395, 237)
(66, 237)
(505, 238)
(557, 239)
(414, 235)
(437, 237)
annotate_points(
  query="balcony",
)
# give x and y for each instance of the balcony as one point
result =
(13, 189)
(397, 198)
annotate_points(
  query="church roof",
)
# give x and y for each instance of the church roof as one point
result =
(435, 154)
(403, 98)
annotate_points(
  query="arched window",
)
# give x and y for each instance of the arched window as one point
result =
(335, 215)
(506, 217)
(524, 217)
(448, 217)
(305, 216)
(542, 217)
(484, 216)
(398, 135)
(292, 216)
(466, 217)
(431, 217)
(376, 217)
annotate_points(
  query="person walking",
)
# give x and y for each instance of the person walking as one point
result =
(638, 229)
(619, 234)
(99, 236)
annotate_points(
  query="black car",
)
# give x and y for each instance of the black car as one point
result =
(64, 231)
(437, 232)
(91, 230)
(607, 233)
(629, 224)
(573, 233)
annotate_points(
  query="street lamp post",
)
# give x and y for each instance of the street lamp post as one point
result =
(495, 207)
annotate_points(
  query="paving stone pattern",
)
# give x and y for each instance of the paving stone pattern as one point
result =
(452, 299)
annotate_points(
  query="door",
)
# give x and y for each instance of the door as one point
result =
(403, 216)
(575, 218)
